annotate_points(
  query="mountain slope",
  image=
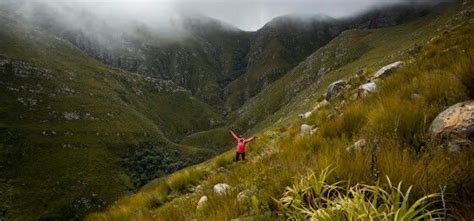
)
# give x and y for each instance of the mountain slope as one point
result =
(87, 117)
(68, 122)
(435, 49)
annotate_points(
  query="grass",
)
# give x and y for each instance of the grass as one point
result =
(313, 197)
(54, 168)
(394, 124)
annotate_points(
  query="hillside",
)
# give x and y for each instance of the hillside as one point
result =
(92, 113)
(362, 140)
(68, 123)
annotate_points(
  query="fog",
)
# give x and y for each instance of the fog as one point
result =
(165, 15)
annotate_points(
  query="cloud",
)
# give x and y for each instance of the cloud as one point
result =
(247, 15)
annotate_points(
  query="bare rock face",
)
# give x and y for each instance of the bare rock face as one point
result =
(454, 126)
(334, 89)
(389, 69)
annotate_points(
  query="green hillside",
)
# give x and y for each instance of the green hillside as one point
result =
(68, 122)
(285, 178)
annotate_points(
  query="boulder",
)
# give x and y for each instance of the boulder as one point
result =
(366, 89)
(334, 89)
(202, 201)
(389, 69)
(306, 129)
(454, 127)
(221, 188)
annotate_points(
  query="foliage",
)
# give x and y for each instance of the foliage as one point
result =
(312, 197)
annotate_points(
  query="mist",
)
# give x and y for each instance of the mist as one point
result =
(166, 16)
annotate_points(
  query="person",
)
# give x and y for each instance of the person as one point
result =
(241, 144)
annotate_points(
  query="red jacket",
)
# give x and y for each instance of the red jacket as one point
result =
(241, 142)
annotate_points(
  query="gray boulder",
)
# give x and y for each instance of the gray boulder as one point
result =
(306, 129)
(366, 89)
(334, 89)
(389, 69)
(221, 188)
(454, 126)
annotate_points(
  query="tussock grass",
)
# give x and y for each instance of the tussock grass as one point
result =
(314, 197)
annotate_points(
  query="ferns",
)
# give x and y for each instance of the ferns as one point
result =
(312, 197)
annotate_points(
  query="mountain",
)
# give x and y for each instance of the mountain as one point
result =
(91, 112)
(369, 155)
(71, 124)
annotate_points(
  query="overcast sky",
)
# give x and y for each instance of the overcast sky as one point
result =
(250, 15)
(247, 15)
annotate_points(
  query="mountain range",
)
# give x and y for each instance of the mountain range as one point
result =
(90, 113)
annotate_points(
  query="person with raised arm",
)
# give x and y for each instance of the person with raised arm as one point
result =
(241, 145)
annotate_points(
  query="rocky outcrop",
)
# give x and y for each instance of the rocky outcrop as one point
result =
(389, 69)
(334, 89)
(454, 127)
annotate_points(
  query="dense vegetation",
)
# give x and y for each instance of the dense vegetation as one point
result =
(399, 174)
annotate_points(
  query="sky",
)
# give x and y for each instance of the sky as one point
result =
(251, 15)
(248, 15)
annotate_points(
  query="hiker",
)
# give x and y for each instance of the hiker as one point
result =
(241, 143)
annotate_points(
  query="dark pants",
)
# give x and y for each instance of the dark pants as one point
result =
(237, 156)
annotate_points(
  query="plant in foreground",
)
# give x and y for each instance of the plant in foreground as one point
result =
(312, 197)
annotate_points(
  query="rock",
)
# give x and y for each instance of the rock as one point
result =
(334, 89)
(358, 145)
(367, 88)
(454, 126)
(202, 202)
(320, 105)
(243, 195)
(221, 188)
(305, 115)
(190, 188)
(306, 129)
(314, 130)
(389, 69)
(71, 116)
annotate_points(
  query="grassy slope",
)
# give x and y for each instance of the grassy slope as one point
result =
(302, 87)
(54, 167)
(399, 124)
(275, 49)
